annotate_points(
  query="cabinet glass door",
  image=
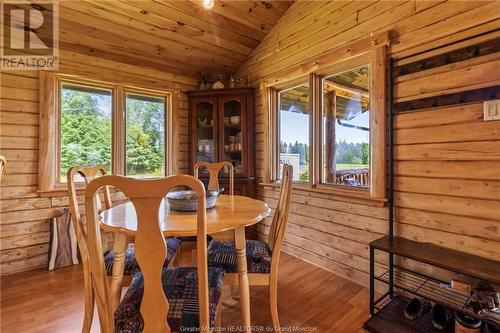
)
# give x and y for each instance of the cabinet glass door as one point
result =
(233, 142)
(206, 122)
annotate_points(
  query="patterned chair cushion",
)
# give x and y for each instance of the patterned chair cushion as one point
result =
(131, 264)
(180, 285)
(222, 253)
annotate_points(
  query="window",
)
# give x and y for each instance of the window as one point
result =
(88, 122)
(344, 154)
(85, 127)
(145, 135)
(346, 128)
(332, 127)
(294, 130)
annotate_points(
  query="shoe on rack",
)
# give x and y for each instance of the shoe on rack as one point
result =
(416, 308)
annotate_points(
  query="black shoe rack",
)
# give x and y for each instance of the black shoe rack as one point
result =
(402, 283)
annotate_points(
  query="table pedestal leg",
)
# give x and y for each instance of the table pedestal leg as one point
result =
(241, 260)
(116, 279)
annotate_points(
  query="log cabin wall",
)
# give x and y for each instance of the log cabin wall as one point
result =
(24, 217)
(447, 169)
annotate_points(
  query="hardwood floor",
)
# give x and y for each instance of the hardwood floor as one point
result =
(310, 298)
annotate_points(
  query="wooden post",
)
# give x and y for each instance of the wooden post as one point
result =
(377, 178)
(48, 131)
(330, 137)
(315, 132)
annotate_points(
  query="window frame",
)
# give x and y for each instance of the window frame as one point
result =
(167, 123)
(82, 83)
(342, 67)
(290, 85)
(374, 55)
(50, 117)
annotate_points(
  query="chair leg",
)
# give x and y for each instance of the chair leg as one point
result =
(273, 303)
(88, 315)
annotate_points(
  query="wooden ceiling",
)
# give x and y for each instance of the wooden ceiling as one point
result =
(180, 37)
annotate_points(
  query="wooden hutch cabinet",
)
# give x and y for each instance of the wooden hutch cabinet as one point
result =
(222, 129)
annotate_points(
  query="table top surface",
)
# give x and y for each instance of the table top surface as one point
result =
(231, 212)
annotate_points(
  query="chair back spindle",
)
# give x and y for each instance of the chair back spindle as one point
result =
(150, 247)
(213, 171)
(280, 219)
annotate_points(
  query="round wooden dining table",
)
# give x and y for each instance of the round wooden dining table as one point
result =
(232, 213)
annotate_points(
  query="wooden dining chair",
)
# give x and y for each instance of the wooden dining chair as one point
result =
(159, 299)
(3, 165)
(262, 257)
(188, 249)
(214, 171)
(131, 265)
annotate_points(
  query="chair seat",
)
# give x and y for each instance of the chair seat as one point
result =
(180, 285)
(222, 253)
(131, 264)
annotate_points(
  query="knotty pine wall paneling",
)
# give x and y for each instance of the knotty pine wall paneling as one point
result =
(447, 165)
(24, 214)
